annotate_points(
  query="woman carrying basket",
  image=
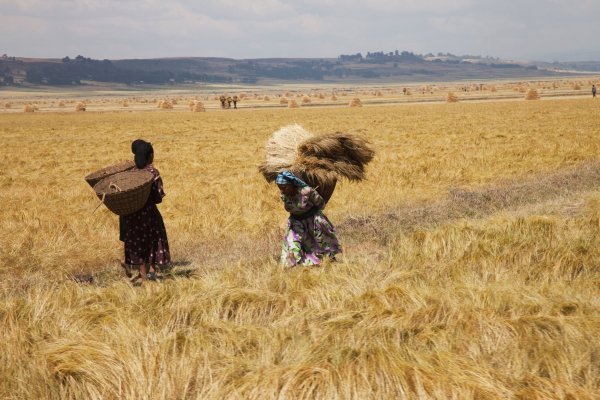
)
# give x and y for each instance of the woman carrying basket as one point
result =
(143, 232)
(309, 236)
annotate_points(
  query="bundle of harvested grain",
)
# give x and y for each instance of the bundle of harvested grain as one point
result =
(355, 102)
(125, 103)
(266, 98)
(283, 101)
(493, 89)
(80, 106)
(334, 98)
(306, 100)
(29, 108)
(379, 93)
(320, 160)
(532, 94)
(165, 105)
(576, 86)
(451, 97)
(293, 104)
(198, 106)
(7, 105)
(321, 96)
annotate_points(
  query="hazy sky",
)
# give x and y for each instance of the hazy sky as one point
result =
(514, 29)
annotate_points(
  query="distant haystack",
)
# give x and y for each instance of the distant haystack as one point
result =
(165, 105)
(266, 98)
(451, 98)
(576, 86)
(493, 89)
(7, 105)
(334, 98)
(379, 93)
(61, 104)
(198, 106)
(532, 94)
(306, 100)
(321, 96)
(293, 104)
(174, 102)
(125, 103)
(283, 101)
(355, 102)
(30, 108)
(80, 106)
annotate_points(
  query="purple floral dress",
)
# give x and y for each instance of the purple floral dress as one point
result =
(144, 231)
(309, 235)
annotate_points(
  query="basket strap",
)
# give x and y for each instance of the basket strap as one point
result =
(114, 186)
(101, 202)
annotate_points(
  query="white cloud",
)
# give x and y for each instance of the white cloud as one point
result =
(302, 28)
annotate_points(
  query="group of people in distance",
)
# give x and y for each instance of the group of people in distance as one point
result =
(308, 239)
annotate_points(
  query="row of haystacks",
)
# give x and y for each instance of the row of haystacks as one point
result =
(320, 160)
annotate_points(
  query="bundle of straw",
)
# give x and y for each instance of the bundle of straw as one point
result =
(29, 108)
(451, 97)
(320, 160)
(80, 106)
(198, 106)
(355, 102)
(532, 94)
(293, 104)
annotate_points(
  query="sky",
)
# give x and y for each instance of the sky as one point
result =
(544, 30)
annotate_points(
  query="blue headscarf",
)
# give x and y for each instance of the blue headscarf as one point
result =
(287, 178)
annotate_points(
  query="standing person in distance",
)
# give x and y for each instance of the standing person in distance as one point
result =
(593, 90)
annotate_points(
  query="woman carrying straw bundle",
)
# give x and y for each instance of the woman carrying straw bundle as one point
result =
(143, 232)
(306, 167)
(309, 236)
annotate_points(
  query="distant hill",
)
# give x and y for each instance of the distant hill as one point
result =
(378, 66)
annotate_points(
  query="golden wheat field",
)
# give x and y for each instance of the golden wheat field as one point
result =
(471, 264)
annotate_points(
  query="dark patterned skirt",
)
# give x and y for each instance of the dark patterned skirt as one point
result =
(145, 237)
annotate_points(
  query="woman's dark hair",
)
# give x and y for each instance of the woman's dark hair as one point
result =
(135, 144)
(143, 153)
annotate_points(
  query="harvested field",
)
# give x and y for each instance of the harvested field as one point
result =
(470, 266)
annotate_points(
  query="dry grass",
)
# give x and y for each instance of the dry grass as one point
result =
(470, 265)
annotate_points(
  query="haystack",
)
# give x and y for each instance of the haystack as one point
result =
(451, 97)
(7, 105)
(198, 106)
(266, 98)
(334, 98)
(532, 94)
(493, 89)
(293, 104)
(320, 160)
(306, 100)
(29, 108)
(576, 86)
(283, 101)
(355, 102)
(80, 106)
(125, 104)
(165, 105)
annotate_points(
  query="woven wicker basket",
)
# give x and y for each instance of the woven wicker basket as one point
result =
(95, 177)
(126, 192)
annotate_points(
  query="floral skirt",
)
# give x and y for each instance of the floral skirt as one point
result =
(308, 240)
(145, 237)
